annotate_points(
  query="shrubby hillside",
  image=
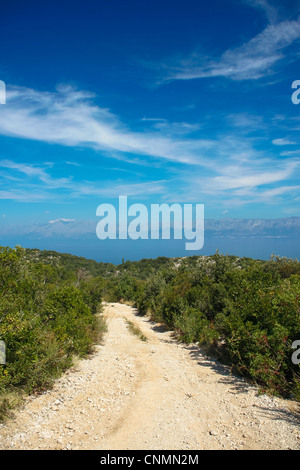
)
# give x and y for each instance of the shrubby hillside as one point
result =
(245, 311)
(47, 316)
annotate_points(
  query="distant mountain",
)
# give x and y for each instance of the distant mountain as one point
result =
(60, 228)
(64, 228)
(288, 227)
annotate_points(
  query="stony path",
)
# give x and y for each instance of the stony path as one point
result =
(151, 395)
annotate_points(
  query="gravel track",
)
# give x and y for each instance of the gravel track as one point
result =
(155, 395)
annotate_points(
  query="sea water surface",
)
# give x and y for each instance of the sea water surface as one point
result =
(113, 251)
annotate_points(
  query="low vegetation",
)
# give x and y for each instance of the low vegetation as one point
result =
(244, 311)
(135, 330)
(47, 317)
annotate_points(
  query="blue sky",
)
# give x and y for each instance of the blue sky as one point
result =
(162, 101)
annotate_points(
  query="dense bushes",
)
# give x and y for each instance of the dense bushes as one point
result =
(246, 311)
(47, 315)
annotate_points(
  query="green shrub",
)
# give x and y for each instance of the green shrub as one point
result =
(45, 320)
(246, 310)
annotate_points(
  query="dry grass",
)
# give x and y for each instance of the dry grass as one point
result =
(135, 330)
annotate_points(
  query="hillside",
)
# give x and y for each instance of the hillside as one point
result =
(243, 310)
(240, 312)
(47, 317)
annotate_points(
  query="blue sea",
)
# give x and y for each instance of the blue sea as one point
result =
(113, 251)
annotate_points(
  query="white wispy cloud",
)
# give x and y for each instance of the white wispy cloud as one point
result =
(61, 219)
(113, 189)
(245, 120)
(237, 185)
(73, 163)
(37, 185)
(269, 10)
(271, 193)
(69, 117)
(36, 172)
(290, 153)
(250, 61)
(24, 195)
(238, 178)
(283, 141)
(173, 128)
(27, 169)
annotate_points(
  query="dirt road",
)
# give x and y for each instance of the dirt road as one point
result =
(154, 394)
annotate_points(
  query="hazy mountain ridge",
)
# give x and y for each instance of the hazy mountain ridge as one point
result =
(235, 228)
(214, 228)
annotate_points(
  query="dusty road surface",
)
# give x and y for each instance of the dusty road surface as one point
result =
(152, 395)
